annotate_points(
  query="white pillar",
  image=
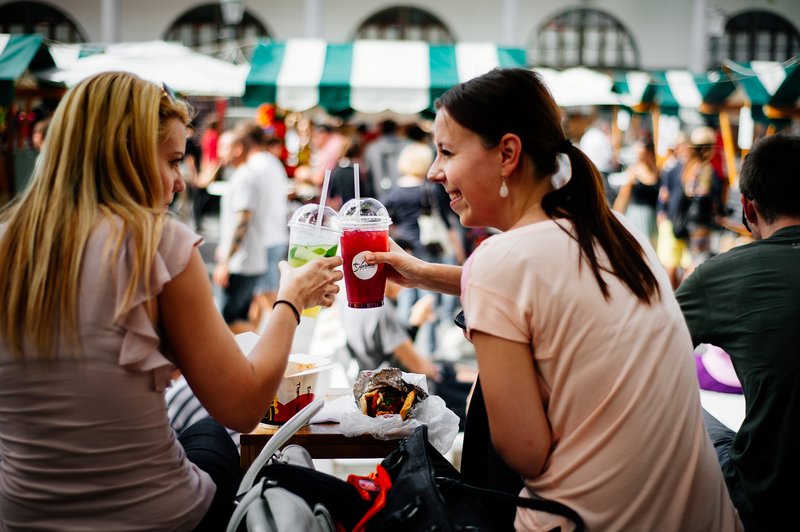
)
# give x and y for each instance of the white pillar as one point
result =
(313, 20)
(698, 37)
(109, 17)
(508, 22)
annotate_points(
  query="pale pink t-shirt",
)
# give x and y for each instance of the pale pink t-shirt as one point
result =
(617, 382)
(86, 443)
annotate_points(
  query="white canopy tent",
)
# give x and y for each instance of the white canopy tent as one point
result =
(579, 86)
(184, 70)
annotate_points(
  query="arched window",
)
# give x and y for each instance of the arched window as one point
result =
(203, 28)
(755, 36)
(586, 37)
(35, 17)
(405, 24)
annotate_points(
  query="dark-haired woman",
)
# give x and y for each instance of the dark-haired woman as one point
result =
(583, 353)
(638, 197)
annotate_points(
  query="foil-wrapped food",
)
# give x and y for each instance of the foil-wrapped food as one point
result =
(385, 391)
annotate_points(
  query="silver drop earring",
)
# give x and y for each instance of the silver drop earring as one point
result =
(504, 189)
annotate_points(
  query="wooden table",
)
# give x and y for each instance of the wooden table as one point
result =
(322, 440)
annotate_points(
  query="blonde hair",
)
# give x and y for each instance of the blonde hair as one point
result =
(99, 162)
(415, 159)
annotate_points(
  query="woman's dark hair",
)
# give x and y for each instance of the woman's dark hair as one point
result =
(517, 101)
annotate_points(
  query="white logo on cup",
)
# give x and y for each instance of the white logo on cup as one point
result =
(361, 269)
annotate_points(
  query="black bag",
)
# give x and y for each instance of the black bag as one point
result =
(482, 466)
(427, 493)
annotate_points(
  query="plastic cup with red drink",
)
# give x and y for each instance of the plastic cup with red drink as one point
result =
(365, 228)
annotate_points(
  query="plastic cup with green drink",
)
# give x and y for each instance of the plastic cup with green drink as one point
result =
(309, 240)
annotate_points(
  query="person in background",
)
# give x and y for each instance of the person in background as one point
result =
(342, 187)
(638, 197)
(273, 184)
(381, 155)
(701, 187)
(275, 146)
(104, 297)
(746, 302)
(410, 198)
(191, 168)
(599, 415)
(240, 255)
(597, 145)
(672, 246)
(209, 168)
(39, 134)
(329, 145)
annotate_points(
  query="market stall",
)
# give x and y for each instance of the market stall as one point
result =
(19, 56)
(367, 76)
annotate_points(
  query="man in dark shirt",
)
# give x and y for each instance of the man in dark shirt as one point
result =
(747, 301)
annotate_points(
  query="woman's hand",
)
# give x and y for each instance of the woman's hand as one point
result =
(403, 268)
(411, 272)
(311, 284)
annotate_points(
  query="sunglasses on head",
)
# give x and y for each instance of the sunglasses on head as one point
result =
(168, 92)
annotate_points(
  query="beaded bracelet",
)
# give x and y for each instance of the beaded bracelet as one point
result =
(291, 306)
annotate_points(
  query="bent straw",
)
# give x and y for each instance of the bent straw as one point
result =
(322, 198)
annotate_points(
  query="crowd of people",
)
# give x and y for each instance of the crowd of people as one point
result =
(583, 346)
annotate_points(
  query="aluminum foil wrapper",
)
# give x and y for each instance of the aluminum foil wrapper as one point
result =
(369, 380)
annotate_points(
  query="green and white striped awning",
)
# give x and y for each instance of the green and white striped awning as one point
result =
(672, 90)
(17, 54)
(768, 82)
(367, 76)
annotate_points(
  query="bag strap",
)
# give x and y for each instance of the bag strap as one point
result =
(544, 505)
(277, 440)
(243, 506)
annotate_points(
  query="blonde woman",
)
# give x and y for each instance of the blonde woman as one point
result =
(103, 296)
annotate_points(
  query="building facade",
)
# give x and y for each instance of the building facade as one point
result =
(614, 34)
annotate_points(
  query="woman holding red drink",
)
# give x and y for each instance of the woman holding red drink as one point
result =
(584, 357)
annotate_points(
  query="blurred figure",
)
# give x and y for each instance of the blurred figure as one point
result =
(241, 260)
(328, 147)
(597, 145)
(745, 301)
(209, 168)
(673, 248)
(342, 186)
(381, 156)
(702, 190)
(191, 169)
(39, 134)
(412, 197)
(273, 184)
(638, 197)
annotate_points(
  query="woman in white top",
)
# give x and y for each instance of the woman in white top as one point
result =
(103, 296)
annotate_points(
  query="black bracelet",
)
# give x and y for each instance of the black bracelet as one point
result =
(291, 306)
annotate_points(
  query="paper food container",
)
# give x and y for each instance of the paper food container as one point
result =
(300, 385)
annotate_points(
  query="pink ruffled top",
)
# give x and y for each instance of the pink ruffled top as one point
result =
(86, 442)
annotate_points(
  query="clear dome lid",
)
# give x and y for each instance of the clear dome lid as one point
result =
(307, 215)
(364, 212)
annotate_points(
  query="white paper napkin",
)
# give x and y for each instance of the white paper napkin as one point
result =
(333, 410)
